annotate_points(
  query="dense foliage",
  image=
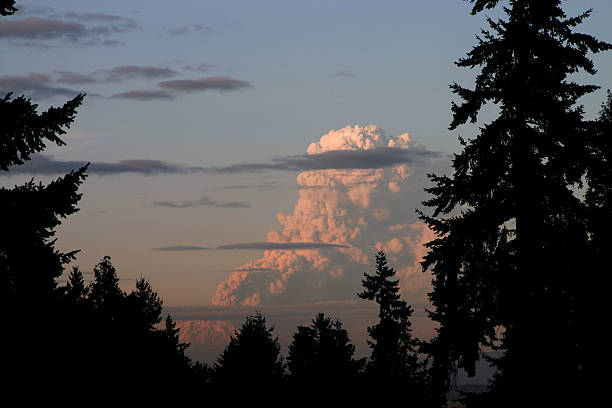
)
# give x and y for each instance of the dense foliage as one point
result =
(513, 234)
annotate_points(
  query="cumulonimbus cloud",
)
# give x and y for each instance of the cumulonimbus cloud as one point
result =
(363, 208)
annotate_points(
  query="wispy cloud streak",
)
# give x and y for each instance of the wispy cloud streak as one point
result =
(330, 160)
(204, 201)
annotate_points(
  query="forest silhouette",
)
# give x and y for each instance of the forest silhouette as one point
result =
(518, 262)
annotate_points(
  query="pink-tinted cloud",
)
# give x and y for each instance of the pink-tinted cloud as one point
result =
(41, 28)
(356, 208)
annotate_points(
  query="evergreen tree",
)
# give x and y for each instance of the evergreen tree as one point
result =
(394, 360)
(321, 362)
(29, 261)
(145, 306)
(250, 369)
(76, 290)
(105, 294)
(512, 236)
(7, 7)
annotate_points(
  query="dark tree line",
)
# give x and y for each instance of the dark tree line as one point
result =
(519, 261)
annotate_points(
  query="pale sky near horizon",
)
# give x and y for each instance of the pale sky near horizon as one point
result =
(211, 84)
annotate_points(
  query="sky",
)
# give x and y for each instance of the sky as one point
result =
(253, 154)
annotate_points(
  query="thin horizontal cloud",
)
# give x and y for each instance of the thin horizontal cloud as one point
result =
(117, 74)
(280, 246)
(72, 28)
(188, 29)
(42, 28)
(144, 95)
(347, 74)
(137, 71)
(100, 17)
(221, 83)
(23, 10)
(204, 201)
(43, 164)
(256, 246)
(262, 186)
(69, 77)
(200, 67)
(182, 248)
(336, 159)
(330, 160)
(37, 86)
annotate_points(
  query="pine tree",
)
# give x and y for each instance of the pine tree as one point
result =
(145, 306)
(394, 359)
(251, 364)
(512, 235)
(321, 362)
(76, 290)
(105, 294)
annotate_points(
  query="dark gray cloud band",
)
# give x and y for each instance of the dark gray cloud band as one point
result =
(37, 86)
(335, 159)
(117, 74)
(220, 83)
(182, 248)
(53, 30)
(267, 246)
(331, 160)
(204, 201)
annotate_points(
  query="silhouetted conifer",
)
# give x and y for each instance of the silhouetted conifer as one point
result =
(76, 290)
(512, 235)
(29, 262)
(394, 361)
(7, 7)
(250, 369)
(321, 363)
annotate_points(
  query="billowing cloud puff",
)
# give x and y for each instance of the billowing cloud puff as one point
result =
(360, 210)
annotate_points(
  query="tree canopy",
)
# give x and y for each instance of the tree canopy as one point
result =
(512, 234)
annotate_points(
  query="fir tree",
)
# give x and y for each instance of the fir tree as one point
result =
(251, 364)
(394, 360)
(321, 362)
(512, 236)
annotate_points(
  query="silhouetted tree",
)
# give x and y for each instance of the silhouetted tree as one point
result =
(104, 292)
(145, 306)
(512, 235)
(76, 290)
(29, 261)
(251, 367)
(7, 7)
(598, 199)
(394, 361)
(321, 362)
